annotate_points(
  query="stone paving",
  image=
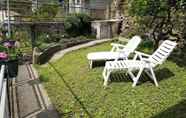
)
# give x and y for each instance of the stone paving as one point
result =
(30, 99)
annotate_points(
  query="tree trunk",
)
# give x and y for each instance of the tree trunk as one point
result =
(117, 8)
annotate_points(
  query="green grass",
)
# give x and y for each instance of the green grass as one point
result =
(79, 91)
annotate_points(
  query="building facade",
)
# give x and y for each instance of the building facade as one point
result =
(96, 8)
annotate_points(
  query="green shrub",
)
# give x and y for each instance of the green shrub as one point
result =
(147, 46)
(3, 49)
(77, 24)
(45, 12)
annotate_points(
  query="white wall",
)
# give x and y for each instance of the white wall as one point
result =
(98, 4)
(1, 16)
(4, 16)
(76, 6)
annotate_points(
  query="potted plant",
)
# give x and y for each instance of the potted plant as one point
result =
(11, 55)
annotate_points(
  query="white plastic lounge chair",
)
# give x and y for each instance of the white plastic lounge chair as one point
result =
(118, 51)
(146, 63)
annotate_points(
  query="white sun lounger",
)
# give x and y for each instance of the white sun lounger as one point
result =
(118, 51)
(146, 63)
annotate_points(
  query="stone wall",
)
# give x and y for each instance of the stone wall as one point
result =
(48, 53)
(44, 56)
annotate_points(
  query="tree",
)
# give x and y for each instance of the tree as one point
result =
(46, 12)
(162, 18)
(116, 8)
(77, 24)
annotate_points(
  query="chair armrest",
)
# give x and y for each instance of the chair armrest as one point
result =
(118, 45)
(142, 54)
(146, 60)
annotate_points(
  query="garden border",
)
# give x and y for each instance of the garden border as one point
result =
(61, 53)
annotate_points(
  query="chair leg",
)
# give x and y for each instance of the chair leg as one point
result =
(154, 77)
(90, 63)
(113, 49)
(135, 57)
(106, 75)
(137, 77)
(131, 74)
(104, 72)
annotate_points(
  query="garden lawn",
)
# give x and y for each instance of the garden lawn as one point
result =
(77, 91)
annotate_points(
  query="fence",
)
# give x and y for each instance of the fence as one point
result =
(4, 110)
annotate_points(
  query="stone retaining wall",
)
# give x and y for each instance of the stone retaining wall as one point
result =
(44, 56)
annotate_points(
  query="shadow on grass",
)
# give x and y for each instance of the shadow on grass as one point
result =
(161, 74)
(72, 92)
(176, 111)
(179, 57)
(98, 64)
(120, 77)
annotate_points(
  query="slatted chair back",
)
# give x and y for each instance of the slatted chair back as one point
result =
(162, 53)
(133, 43)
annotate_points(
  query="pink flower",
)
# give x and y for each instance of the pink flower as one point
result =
(9, 44)
(3, 56)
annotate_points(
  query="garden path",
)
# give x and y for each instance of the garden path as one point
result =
(29, 97)
(60, 54)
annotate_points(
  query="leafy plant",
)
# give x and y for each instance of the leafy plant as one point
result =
(3, 49)
(9, 47)
(45, 12)
(77, 24)
(162, 19)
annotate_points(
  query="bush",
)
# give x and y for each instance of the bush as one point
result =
(3, 49)
(45, 12)
(77, 24)
(146, 45)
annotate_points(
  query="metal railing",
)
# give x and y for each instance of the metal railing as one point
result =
(4, 110)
